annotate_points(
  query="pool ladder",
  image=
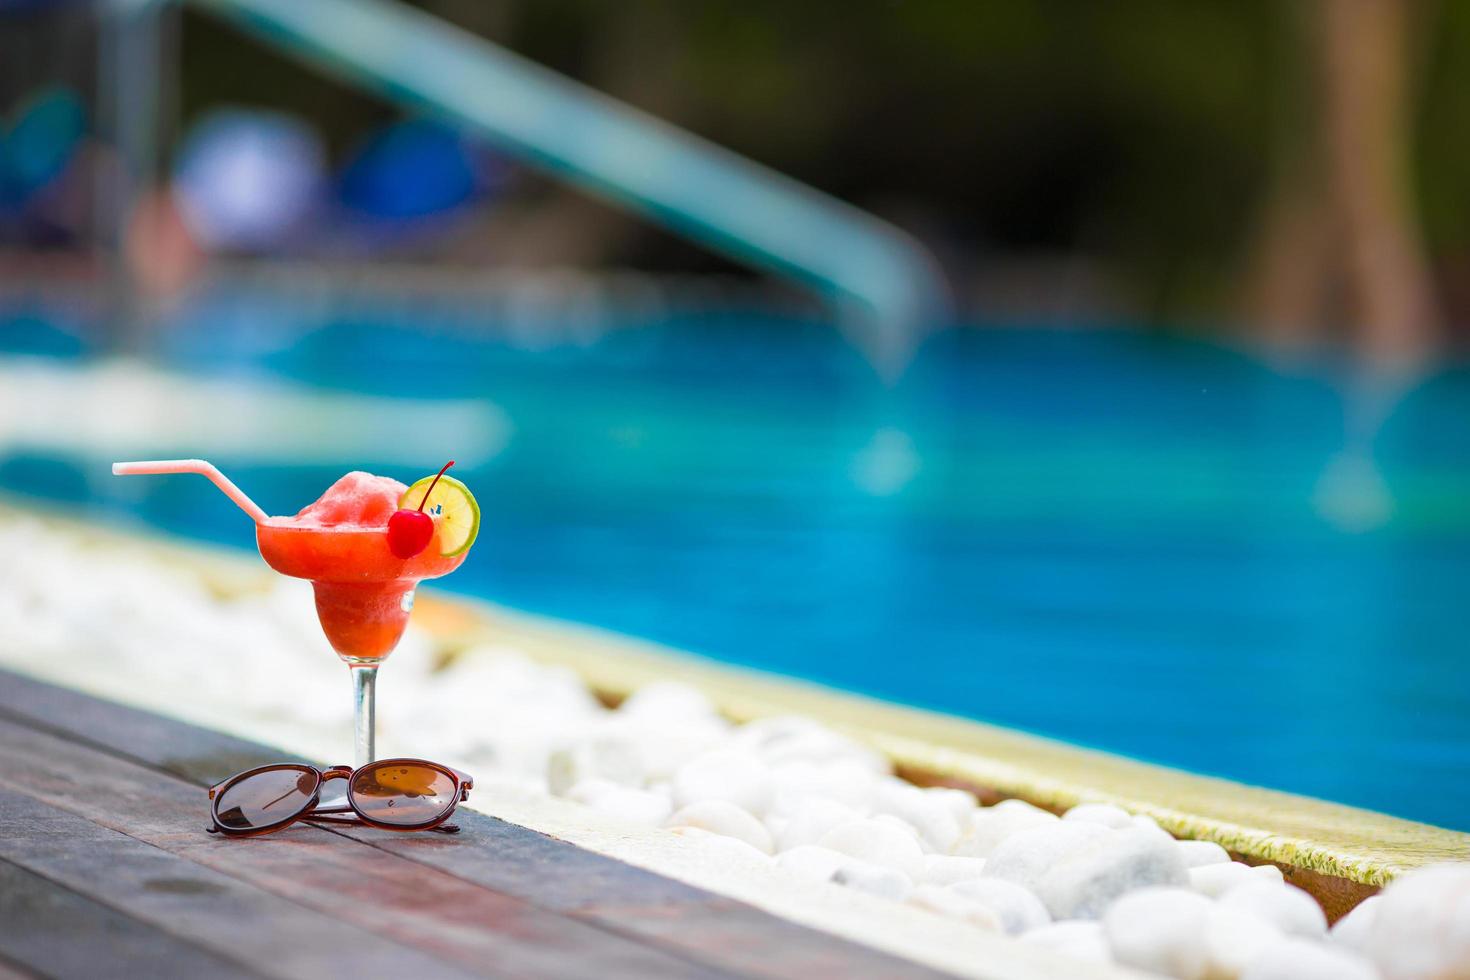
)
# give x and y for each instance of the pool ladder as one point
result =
(883, 286)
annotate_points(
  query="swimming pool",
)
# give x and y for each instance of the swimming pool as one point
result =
(1156, 547)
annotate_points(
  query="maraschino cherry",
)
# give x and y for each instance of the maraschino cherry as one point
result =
(409, 531)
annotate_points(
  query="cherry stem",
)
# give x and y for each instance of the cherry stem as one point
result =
(433, 485)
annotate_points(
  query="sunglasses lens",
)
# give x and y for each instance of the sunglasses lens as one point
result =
(403, 793)
(266, 798)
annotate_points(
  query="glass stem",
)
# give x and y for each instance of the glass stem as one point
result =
(364, 690)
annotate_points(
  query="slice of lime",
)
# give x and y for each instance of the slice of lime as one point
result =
(453, 509)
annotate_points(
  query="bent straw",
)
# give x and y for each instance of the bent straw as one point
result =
(205, 469)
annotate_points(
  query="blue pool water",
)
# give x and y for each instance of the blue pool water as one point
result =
(1156, 547)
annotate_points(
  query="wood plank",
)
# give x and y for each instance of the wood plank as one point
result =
(502, 856)
(188, 903)
(14, 971)
(55, 932)
(442, 915)
(200, 755)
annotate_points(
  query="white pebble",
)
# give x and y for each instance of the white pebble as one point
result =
(878, 843)
(946, 869)
(1017, 908)
(812, 862)
(1233, 938)
(1289, 908)
(959, 802)
(930, 816)
(668, 701)
(1199, 853)
(1087, 882)
(1145, 822)
(889, 820)
(1298, 959)
(811, 820)
(637, 805)
(990, 825)
(1353, 929)
(1079, 939)
(613, 759)
(1106, 814)
(734, 777)
(1162, 930)
(790, 738)
(1421, 929)
(723, 817)
(845, 781)
(1025, 856)
(874, 879)
(1215, 880)
(951, 904)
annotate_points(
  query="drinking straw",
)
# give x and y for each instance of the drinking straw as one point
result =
(205, 469)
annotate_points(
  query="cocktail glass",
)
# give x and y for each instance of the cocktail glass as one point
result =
(363, 597)
(364, 593)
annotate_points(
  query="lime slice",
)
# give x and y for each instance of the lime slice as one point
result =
(453, 509)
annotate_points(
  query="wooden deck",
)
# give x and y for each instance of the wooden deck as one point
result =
(106, 870)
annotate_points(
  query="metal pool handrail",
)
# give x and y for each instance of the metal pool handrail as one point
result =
(885, 285)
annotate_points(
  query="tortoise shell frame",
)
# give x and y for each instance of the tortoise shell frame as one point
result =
(313, 812)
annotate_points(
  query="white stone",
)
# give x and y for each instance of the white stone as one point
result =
(1289, 908)
(810, 821)
(878, 843)
(990, 825)
(812, 862)
(889, 820)
(1027, 855)
(1353, 929)
(1079, 939)
(668, 701)
(1200, 853)
(1086, 882)
(959, 802)
(929, 816)
(951, 904)
(1079, 868)
(638, 805)
(1161, 930)
(789, 738)
(845, 781)
(1017, 908)
(665, 747)
(1421, 928)
(1148, 823)
(1113, 817)
(946, 869)
(723, 817)
(1298, 959)
(1233, 938)
(735, 777)
(874, 879)
(613, 759)
(1215, 880)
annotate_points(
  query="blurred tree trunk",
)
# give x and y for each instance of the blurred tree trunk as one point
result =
(1340, 242)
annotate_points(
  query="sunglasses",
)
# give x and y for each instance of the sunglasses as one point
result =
(392, 794)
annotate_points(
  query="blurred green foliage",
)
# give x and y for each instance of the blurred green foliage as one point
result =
(1143, 134)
